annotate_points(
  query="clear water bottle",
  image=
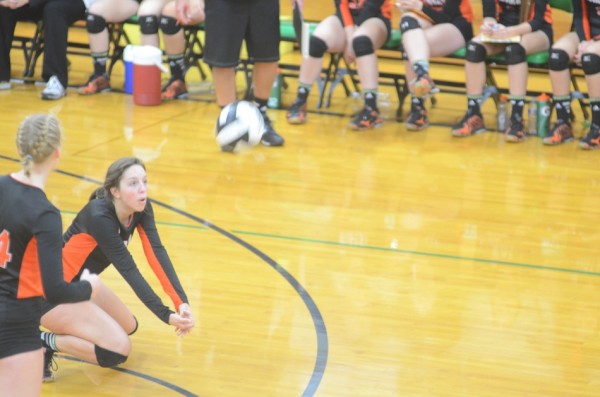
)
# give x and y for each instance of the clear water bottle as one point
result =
(532, 117)
(502, 114)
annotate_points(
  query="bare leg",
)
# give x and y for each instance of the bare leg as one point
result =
(21, 374)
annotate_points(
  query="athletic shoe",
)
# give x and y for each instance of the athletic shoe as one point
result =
(297, 113)
(174, 89)
(49, 365)
(367, 118)
(470, 124)
(270, 136)
(423, 85)
(591, 141)
(561, 132)
(54, 89)
(95, 85)
(4, 85)
(516, 132)
(417, 119)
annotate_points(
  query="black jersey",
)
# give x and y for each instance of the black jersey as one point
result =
(586, 19)
(357, 11)
(30, 247)
(508, 12)
(96, 239)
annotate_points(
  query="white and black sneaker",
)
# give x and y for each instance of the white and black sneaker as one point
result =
(4, 85)
(270, 136)
(54, 89)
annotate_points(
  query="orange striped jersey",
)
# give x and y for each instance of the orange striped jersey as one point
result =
(355, 12)
(445, 11)
(30, 247)
(508, 12)
(586, 19)
(97, 239)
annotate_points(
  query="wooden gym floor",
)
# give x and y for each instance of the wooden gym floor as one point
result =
(382, 263)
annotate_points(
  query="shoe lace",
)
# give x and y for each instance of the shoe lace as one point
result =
(54, 85)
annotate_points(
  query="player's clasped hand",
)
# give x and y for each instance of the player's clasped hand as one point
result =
(182, 321)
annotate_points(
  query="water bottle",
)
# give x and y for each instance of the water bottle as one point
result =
(543, 114)
(532, 117)
(274, 101)
(502, 114)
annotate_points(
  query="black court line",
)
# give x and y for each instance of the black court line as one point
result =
(319, 323)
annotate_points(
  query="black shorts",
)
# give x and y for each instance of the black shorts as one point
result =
(229, 22)
(19, 326)
(387, 22)
(464, 26)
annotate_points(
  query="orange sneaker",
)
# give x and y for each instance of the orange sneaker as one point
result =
(423, 85)
(561, 132)
(516, 132)
(297, 113)
(417, 119)
(366, 119)
(471, 124)
(591, 141)
(174, 89)
(95, 85)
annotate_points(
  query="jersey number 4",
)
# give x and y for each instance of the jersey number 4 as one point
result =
(5, 255)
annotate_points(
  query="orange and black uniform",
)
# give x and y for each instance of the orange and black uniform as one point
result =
(96, 239)
(586, 19)
(30, 265)
(456, 12)
(355, 12)
(507, 12)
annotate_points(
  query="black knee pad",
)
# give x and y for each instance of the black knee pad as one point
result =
(169, 25)
(558, 60)
(408, 23)
(316, 47)
(590, 63)
(136, 326)
(148, 24)
(107, 358)
(476, 52)
(515, 54)
(95, 23)
(362, 46)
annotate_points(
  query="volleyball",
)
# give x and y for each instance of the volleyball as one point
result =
(240, 126)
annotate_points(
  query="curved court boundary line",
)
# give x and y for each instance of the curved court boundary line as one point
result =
(319, 323)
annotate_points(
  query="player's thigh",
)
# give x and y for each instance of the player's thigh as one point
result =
(20, 374)
(376, 29)
(114, 10)
(568, 43)
(151, 7)
(445, 38)
(537, 41)
(331, 31)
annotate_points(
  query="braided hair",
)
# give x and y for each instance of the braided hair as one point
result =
(39, 135)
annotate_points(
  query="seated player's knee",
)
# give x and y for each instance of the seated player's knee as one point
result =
(148, 24)
(476, 52)
(107, 358)
(590, 63)
(515, 54)
(316, 47)
(95, 23)
(407, 23)
(558, 60)
(362, 46)
(169, 25)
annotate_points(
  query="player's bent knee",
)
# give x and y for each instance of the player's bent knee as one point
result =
(407, 23)
(590, 63)
(169, 25)
(558, 60)
(107, 358)
(362, 46)
(475, 52)
(134, 328)
(148, 24)
(515, 54)
(95, 23)
(316, 47)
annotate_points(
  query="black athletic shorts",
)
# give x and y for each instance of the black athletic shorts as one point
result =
(19, 326)
(465, 27)
(387, 22)
(229, 22)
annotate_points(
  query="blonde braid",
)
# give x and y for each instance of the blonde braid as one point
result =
(37, 138)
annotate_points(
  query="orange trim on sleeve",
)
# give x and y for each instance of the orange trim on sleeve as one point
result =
(585, 21)
(346, 15)
(30, 277)
(75, 253)
(157, 268)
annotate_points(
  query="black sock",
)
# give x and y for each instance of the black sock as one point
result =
(303, 91)
(473, 104)
(517, 102)
(595, 106)
(99, 59)
(177, 65)
(416, 102)
(262, 104)
(563, 108)
(371, 99)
